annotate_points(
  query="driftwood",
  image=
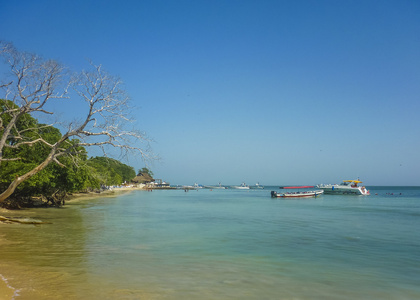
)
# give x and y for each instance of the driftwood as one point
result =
(21, 221)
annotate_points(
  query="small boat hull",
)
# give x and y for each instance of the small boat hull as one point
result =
(215, 187)
(243, 186)
(306, 194)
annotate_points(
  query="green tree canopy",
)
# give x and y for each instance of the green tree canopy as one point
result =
(29, 85)
(65, 177)
(73, 172)
(110, 171)
(146, 171)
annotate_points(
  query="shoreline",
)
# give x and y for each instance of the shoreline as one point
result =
(9, 292)
(114, 192)
(72, 198)
(76, 197)
(107, 193)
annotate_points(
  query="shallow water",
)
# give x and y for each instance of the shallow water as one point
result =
(220, 244)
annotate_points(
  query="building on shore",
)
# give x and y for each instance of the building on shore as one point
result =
(143, 178)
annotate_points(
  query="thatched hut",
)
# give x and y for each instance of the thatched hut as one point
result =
(142, 178)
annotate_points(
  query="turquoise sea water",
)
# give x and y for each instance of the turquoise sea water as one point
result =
(220, 244)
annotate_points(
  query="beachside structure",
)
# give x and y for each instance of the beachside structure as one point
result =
(142, 178)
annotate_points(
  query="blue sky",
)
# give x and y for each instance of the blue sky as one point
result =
(276, 92)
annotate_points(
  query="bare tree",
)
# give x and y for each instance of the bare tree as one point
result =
(36, 82)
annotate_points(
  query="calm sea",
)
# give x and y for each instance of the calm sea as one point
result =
(220, 244)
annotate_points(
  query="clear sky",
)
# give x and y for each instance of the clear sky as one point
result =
(276, 92)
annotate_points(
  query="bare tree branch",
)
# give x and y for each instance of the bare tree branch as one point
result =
(11, 159)
(36, 82)
(29, 143)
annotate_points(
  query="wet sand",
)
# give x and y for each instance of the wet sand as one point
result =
(8, 292)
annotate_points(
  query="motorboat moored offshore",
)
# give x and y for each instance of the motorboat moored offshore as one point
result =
(243, 186)
(304, 194)
(347, 187)
(196, 186)
(219, 186)
(257, 186)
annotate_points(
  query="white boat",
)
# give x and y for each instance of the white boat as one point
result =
(196, 186)
(292, 195)
(348, 187)
(219, 186)
(257, 186)
(243, 186)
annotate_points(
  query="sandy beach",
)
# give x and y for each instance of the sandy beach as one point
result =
(88, 195)
(8, 292)
(108, 193)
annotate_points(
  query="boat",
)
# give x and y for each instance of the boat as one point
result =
(292, 195)
(347, 187)
(196, 186)
(243, 186)
(297, 187)
(219, 186)
(257, 186)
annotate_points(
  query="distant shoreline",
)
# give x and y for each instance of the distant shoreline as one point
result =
(81, 196)
(107, 193)
(112, 192)
(76, 197)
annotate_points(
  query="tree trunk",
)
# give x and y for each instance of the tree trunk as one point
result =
(18, 180)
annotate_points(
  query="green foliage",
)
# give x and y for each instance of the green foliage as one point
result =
(110, 171)
(78, 174)
(29, 156)
(24, 122)
(146, 171)
(73, 177)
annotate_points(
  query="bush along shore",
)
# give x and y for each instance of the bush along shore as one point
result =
(40, 163)
(42, 202)
(52, 184)
(59, 199)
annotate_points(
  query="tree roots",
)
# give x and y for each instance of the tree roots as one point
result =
(57, 199)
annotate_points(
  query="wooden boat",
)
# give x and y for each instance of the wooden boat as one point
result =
(305, 194)
(297, 187)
